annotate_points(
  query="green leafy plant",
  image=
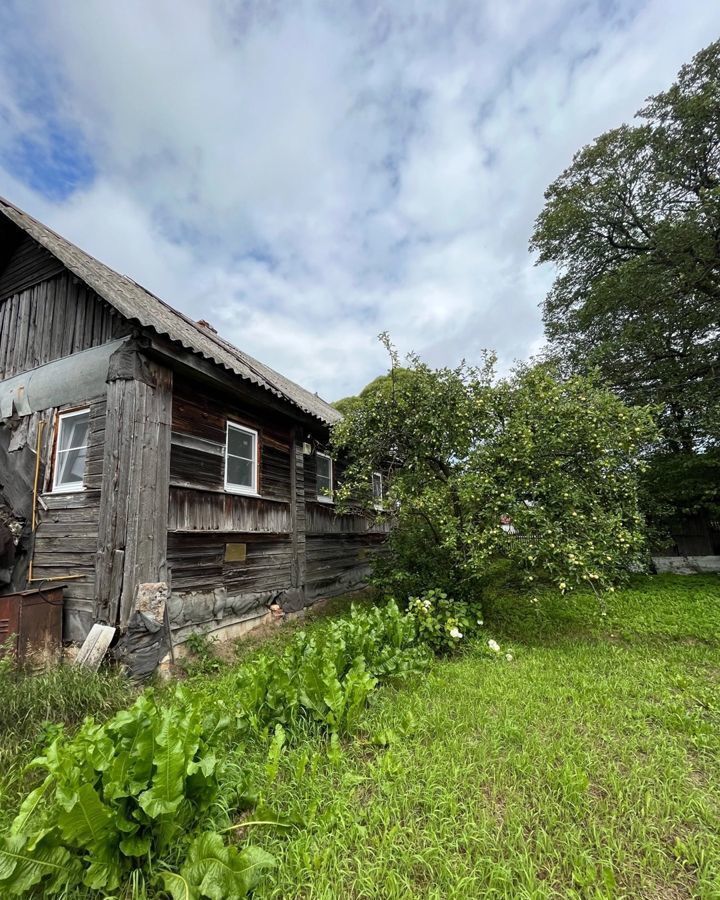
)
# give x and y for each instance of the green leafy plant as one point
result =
(115, 796)
(443, 623)
(326, 678)
(217, 871)
(33, 704)
(203, 659)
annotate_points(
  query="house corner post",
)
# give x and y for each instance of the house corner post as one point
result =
(133, 520)
(296, 598)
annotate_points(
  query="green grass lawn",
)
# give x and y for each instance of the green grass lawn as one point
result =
(586, 767)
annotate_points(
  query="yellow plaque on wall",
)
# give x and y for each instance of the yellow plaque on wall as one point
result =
(235, 552)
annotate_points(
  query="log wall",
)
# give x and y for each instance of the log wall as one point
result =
(229, 554)
(28, 264)
(66, 536)
(295, 548)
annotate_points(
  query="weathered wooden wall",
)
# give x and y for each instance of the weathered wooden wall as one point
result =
(337, 563)
(52, 319)
(198, 562)
(66, 536)
(297, 549)
(47, 314)
(204, 520)
(154, 493)
(27, 264)
(132, 529)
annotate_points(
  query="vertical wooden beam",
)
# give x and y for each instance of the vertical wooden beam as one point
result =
(297, 518)
(132, 533)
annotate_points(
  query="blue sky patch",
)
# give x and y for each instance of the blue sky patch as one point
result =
(54, 163)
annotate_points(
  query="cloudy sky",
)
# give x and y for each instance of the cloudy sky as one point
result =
(305, 175)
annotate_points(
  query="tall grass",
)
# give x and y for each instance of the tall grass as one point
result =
(34, 701)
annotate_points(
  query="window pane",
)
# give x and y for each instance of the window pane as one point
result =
(239, 472)
(240, 443)
(324, 476)
(377, 487)
(70, 466)
(323, 468)
(73, 431)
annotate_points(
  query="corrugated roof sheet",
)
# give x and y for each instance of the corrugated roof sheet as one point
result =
(135, 302)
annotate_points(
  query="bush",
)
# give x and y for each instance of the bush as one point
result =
(534, 468)
(443, 623)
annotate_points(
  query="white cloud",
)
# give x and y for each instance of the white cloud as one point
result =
(305, 176)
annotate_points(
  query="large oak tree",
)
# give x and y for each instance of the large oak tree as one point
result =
(634, 227)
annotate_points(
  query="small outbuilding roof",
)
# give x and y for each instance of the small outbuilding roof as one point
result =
(136, 303)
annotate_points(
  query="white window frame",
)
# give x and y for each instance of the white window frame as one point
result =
(71, 487)
(378, 501)
(231, 488)
(325, 498)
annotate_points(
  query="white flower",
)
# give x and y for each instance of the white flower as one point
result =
(455, 633)
(427, 604)
(562, 585)
(494, 646)
(480, 622)
(509, 657)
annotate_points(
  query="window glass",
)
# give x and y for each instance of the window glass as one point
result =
(377, 486)
(71, 450)
(239, 471)
(241, 459)
(324, 477)
(240, 443)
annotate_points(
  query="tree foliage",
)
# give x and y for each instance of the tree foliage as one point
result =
(678, 490)
(634, 227)
(534, 468)
(382, 385)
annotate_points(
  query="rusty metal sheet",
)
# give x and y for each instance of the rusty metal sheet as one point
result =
(35, 618)
(9, 621)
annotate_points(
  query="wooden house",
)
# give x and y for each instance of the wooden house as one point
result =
(139, 447)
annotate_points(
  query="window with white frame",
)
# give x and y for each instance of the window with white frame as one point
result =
(324, 478)
(241, 459)
(377, 488)
(71, 450)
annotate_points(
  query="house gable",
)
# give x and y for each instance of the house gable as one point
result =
(136, 304)
(25, 264)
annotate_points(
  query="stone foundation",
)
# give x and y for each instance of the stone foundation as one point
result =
(686, 565)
